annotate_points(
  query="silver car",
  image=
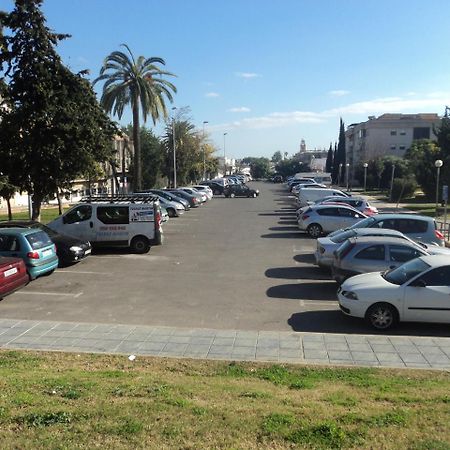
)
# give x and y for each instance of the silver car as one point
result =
(320, 219)
(174, 209)
(373, 254)
(418, 228)
(326, 246)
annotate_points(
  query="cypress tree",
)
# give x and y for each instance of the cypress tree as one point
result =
(329, 162)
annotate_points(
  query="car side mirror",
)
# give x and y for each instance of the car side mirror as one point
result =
(64, 219)
(419, 283)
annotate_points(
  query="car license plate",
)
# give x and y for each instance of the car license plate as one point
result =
(88, 251)
(10, 272)
(47, 253)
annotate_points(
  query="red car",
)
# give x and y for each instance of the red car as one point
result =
(13, 275)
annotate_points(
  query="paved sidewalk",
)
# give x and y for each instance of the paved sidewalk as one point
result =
(289, 347)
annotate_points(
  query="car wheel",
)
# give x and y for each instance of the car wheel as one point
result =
(382, 316)
(314, 230)
(140, 244)
(232, 195)
(171, 212)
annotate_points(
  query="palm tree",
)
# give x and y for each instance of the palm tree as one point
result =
(139, 83)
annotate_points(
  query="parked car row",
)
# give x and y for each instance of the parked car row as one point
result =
(29, 249)
(390, 267)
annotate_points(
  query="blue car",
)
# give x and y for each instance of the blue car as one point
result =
(32, 245)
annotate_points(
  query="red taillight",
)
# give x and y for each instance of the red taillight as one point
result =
(438, 234)
(33, 255)
(158, 220)
(305, 216)
(195, 200)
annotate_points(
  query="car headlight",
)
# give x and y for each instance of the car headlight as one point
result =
(76, 249)
(350, 295)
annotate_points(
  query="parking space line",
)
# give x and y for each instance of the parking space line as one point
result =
(78, 294)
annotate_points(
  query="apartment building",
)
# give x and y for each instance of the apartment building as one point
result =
(388, 134)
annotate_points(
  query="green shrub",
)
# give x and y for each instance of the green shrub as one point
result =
(408, 185)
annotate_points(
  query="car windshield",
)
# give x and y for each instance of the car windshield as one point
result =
(341, 237)
(365, 223)
(38, 240)
(405, 272)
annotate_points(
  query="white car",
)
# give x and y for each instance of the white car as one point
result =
(417, 291)
(320, 219)
(204, 190)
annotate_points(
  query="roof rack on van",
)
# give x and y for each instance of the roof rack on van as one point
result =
(132, 198)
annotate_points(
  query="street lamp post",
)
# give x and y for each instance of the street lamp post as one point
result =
(339, 174)
(174, 151)
(438, 164)
(365, 165)
(347, 167)
(204, 150)
(224, 156)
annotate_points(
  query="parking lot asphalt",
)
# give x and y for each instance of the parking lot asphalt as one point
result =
(232, 266)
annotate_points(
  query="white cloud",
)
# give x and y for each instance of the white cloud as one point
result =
(393, 105)
(241, 109)
(212, 94)
(339, 93)
(425, 103)
(247, 75)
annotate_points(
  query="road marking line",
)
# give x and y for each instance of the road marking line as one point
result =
(51, 293)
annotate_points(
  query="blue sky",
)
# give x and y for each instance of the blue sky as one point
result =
(270, 73)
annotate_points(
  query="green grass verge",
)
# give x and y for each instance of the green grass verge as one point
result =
(56, 400)
(47, 215)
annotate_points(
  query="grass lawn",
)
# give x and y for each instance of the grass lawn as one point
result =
(47, 214)
(57, 400)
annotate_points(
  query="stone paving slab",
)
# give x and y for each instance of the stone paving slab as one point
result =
(280, 347)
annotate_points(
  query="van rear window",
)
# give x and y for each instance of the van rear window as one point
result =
(38, 240)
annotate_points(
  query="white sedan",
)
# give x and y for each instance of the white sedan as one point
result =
(417, 291)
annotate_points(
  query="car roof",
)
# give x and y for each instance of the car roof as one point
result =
(436, 260)
(379, 231)
(402, 216)
(331, 205)
(381, 240)
(22, 231)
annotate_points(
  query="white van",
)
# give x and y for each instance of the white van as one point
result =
(307, 195)
(122, 221)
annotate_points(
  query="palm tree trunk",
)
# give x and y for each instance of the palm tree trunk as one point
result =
(137, 178)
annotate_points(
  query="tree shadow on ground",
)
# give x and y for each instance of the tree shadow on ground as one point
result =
(323, 291)
(285, 228)
(306, 258)
(334, 321)
(285, 235)
(297, 273)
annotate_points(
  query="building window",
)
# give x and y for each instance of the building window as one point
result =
(402, 147)
(393, 132)
(421, 133)
(393, 147)
(402, 132)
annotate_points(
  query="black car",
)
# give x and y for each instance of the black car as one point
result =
(217, 188)
(69, 249)
(239, 190)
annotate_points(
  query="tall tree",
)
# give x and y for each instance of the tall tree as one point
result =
(329, 162)
(139, 83)
(277, 157)
(340, 157)
(53, 129)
